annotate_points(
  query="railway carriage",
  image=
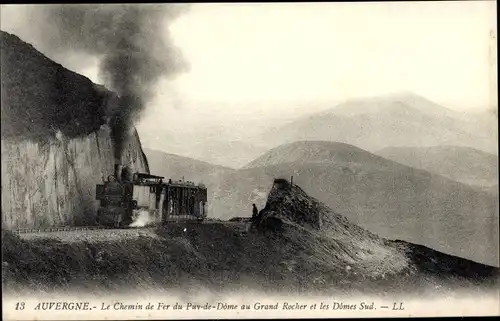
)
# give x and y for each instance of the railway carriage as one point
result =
(143, 199)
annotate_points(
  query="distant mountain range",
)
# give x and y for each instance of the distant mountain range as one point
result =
(227, 153)
(388, 198)
(432, 183)
(230, 153)
(399, 120)
(462, 164)
(177, 167)
(403, 119)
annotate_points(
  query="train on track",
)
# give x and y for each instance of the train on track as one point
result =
(140, 199)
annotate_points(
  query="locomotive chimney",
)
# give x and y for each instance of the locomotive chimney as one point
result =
(118, 171)
(126, 174)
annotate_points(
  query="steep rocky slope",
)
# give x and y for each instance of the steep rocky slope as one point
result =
(56, 143)
(463, 164)
(330, 236)
(40, 97)
(385, 197)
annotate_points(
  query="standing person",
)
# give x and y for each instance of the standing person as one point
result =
(255, 213)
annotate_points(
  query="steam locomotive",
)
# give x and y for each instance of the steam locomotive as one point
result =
(140, 199)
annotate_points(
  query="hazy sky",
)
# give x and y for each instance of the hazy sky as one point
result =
(335, 51)
(325, 52)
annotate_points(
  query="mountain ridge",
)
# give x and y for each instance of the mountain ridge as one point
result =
(309, 150)
(464, 164)
(388, 198)
(181, 157)
(388, 121)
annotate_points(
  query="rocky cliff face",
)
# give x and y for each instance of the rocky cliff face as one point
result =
(54, 184)
(56, 143)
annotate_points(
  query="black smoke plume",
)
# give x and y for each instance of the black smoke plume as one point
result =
(131, 42)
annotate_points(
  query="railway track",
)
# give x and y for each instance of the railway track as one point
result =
(64, 229)
(91, 228)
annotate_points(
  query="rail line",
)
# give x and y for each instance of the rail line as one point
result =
(97, 227)
(64, 229)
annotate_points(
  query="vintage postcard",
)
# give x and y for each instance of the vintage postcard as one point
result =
(249, 160)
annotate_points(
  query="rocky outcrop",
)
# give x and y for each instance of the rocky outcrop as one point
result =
(291, 213)
(56, 144)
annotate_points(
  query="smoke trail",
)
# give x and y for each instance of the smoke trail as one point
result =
(141, 218)
(132, 43)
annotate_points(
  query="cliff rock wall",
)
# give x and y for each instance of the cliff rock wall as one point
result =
(56, 144)
(54, 183)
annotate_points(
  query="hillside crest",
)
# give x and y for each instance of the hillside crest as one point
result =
(293, 214)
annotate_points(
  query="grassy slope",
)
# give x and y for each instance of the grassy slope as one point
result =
(390, 199)
(213, 257)
(40, 97)
(338, 257)
(463, 164)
